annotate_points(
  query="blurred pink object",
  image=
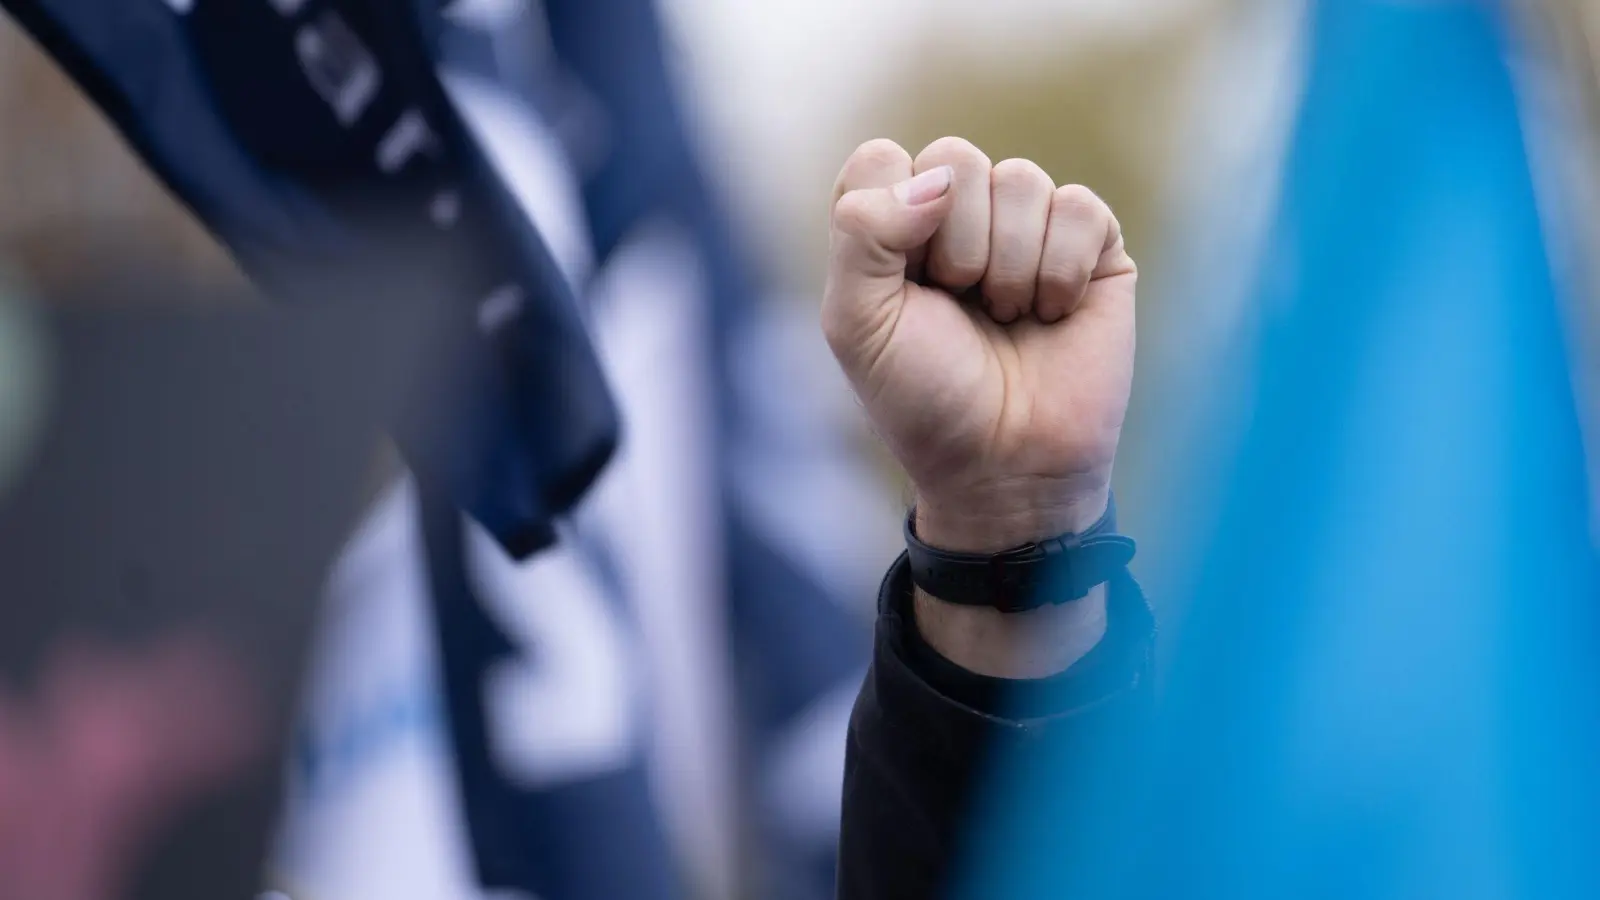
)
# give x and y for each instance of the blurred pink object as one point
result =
(112, 746)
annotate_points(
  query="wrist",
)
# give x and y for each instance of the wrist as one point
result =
(1034, 644)
(1002, 519)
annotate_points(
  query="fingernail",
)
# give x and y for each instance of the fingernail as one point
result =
(924, 188)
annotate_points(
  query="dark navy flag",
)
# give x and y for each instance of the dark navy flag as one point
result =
(475, 724)
(315, 140)
(696, 624)
(313, 137)
(708, 525)
(797, 513)
(505, 746)
(1388, 680)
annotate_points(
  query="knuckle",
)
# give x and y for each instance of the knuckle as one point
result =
(952, 151)
(1021, 176)
(1078, 204)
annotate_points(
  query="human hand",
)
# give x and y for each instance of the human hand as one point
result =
(985, 318)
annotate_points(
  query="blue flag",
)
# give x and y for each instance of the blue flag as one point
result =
(1385, 683)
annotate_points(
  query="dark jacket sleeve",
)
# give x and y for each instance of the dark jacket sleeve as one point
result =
(924, 731)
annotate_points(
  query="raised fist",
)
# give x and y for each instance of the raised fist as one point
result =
(985, 318)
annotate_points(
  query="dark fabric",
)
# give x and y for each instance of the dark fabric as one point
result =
(578, 839)
(925, 734)
(319, 146)
(597, 72)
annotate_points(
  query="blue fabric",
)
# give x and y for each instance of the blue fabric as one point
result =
(1386, 682)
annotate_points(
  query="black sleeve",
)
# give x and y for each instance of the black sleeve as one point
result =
(923, 728)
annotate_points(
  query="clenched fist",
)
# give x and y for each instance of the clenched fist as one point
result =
(985, 318)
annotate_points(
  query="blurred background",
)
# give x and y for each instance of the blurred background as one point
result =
(708, 700)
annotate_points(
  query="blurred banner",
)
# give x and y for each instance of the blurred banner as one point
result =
(319, 145)
(655, 705)
(1387, 681)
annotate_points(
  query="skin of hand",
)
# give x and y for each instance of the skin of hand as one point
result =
(985, 318)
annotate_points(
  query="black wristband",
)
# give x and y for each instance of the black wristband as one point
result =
(1049, 572)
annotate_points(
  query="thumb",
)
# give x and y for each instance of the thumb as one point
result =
(873, 230)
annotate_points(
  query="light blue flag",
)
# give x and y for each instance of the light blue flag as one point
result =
(1387, 681)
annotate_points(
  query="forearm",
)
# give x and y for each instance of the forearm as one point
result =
(925, 730)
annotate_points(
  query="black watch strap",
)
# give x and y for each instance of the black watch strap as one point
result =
(1053, 571)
